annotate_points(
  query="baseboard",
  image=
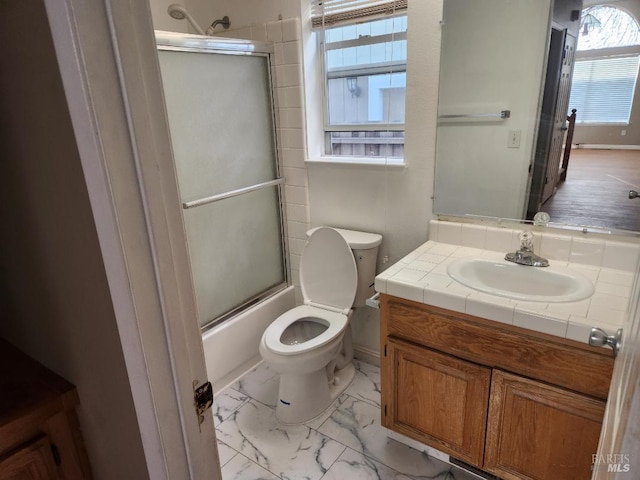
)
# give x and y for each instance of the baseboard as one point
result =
(367, 355)
(596, 146)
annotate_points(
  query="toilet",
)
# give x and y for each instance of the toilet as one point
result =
(310, 346)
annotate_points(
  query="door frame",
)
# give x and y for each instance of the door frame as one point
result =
(108, 63)
(547, 114)
(619, 440)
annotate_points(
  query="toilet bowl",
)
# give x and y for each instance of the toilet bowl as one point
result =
(309, 346)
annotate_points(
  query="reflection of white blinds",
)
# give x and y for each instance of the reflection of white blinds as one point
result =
(331, 12)
(602, 89)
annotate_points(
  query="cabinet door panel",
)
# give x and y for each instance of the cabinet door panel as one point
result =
(439, 400)
(536, 431)
(31, 462)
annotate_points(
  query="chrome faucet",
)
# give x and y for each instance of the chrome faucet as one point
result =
(525, 255)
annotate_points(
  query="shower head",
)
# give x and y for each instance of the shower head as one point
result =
(178, 12)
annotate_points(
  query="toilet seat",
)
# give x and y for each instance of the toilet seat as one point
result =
(337, 322)
(328, 279)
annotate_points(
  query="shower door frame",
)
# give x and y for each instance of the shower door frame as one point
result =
(180, 42)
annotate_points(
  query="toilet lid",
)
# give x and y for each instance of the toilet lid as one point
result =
(328, 274)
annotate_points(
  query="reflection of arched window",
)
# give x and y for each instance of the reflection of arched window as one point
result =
(603, 26)
(606, 69)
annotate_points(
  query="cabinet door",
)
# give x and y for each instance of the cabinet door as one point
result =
(438, 400)
(31, 462)
(536, 431)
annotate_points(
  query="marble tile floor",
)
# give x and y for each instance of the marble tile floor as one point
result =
(345, 443)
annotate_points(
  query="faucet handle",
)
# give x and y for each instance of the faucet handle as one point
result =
(526, 241)
(541, 218)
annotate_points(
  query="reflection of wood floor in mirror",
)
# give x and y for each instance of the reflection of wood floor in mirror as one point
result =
(596, 191)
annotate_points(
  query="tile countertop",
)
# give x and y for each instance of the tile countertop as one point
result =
(422, 277)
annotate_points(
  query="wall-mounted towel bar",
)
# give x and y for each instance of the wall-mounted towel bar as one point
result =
(232, 193)
(502, 115)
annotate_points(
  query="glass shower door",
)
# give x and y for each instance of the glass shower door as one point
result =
(221, 119)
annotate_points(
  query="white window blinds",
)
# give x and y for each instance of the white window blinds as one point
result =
(332, 12)
(602, 89)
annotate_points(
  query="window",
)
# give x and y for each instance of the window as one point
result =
(606, 69)
(365, 82)
(602, 89)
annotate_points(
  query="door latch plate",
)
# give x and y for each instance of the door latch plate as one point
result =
(202, 398)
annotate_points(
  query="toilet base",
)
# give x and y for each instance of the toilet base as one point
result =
(304, 397)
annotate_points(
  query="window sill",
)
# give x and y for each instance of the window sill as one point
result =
(364, 161)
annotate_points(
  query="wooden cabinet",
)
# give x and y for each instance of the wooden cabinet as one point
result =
(31, 462)
(39, 433)
(452, 394)
(515, 403)
(540, 430)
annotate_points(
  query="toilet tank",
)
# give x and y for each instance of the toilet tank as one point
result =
(365, 251)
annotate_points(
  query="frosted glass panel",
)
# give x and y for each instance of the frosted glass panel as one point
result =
(221, 120)
(222, 132)
(236, 250)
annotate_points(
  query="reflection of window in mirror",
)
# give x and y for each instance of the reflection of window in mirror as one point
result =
(606, 69)
(365, 80)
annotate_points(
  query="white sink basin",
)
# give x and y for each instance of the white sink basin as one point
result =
(519, 282)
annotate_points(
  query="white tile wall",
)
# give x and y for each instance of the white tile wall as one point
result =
(292, 157)
(450, 232)
(555, 247)
(295, 176)
(498, 239)
(296, 194)
(473, 235)
(290, 126)
(290, 30)
(586, 251)
(274, 31)
(290, 97)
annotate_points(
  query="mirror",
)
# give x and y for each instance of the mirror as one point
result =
(494, 61)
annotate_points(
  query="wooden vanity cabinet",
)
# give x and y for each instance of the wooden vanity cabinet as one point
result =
(39, 432)
(512, 402)
(452, 396)
(540, 430)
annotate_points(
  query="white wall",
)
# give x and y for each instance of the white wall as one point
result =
(493, 60)
(55, 303)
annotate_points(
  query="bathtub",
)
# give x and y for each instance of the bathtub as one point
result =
(231, 348)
